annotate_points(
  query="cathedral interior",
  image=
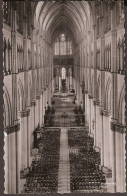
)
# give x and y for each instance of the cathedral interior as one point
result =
(64, 96)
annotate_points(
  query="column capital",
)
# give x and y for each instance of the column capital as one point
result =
(101, 111)
(106, 113)
(25, 113)
(38, 96)
(86, 92)
(90, 96)
(94, 26)
(12, 128)
(41, 92)
(96, 102)
(117, 127)
(33, 103)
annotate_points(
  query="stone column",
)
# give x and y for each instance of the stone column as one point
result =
(6, 160)
(106, 117)
(14, 161)
(94, 124)
(70, 82)
(114, 90)
(90, 125)
(18, 158)
(37, 112)
(25, 138)
(43, 108)
(97, 124)
(41, 113)
(113, 155)
(33, 104)
(102, 138)
(86, 107)
(38, 108)
(32, 123)
(59, 82)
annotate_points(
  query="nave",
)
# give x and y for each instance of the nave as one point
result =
(66, 160)
(64, 73)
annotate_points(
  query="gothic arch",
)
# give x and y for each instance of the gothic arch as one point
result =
(121, 110)
(29, 89)
(20, 96)
(98, 93)
(7, 108)
(92, 86)
(108, 95)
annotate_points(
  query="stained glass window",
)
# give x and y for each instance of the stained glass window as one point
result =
(63, 73)
(63, 46)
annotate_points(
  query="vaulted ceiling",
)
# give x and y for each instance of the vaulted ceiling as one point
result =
(74, 18)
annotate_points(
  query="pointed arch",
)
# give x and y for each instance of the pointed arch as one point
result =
(29, 89)
(121, 111)
(20, 95)
(7, 108)
(92, 86)
(98, 93)
(108, 95)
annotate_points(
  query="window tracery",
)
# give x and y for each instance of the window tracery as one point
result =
(6, 12)
(19, 58)
(7, 68)
(107, 17)
(98, 59)
(108, 58)
(120, 56)
(20, 17)
(29, 59)
(63, 45)
(120, 10)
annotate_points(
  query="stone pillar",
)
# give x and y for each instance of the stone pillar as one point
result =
(25, 139)
(33, 104)
(13, 162)
(28, 138)
(90, 121)
(13, 158)
(86, 107)
(97, 124)
(43, 109)
(6, 160)
(18, 160)
(94, 124)
(71, 82)
(113, 155)
(114, 91)
(106, 127)
(36, 113)
(38, 108)
(41, 113)
(10, 163)
(102, 138)
(59, 82)
(118, 159)
(32, 124)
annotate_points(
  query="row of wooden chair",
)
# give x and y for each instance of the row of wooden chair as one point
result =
(84, 165)
(43, 177)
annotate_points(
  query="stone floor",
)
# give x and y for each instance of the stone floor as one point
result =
(64, 167)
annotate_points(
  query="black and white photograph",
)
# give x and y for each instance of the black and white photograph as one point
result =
(64, 96)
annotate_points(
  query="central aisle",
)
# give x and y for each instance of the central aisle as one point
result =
(64, 165)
